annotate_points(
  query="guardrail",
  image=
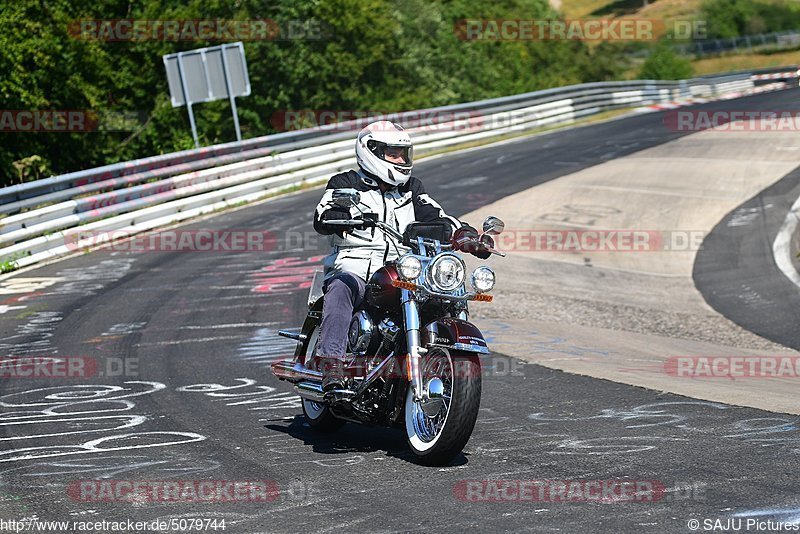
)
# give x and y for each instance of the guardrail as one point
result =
(749, 43)
(144, 194)
(742, 44)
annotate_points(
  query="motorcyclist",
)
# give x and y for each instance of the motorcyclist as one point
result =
(384, 154)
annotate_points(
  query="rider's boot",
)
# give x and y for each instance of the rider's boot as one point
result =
(332, 373)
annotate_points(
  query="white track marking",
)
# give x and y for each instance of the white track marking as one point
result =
(781, 248)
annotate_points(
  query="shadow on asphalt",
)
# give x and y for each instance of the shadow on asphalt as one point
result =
(354, 438)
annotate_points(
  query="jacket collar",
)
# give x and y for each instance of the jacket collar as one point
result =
(371, 182)
(367, 180)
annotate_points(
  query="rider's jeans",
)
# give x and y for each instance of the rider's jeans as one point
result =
(343, 293)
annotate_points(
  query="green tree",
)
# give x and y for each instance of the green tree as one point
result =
(732, 18)
(664, 64)
(375, 55)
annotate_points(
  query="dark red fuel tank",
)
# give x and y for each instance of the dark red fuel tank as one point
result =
(380, 291)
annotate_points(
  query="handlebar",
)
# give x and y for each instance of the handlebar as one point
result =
(345, 222)
(368, 223)
(483, 245)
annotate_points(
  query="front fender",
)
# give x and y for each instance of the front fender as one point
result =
(456, 334)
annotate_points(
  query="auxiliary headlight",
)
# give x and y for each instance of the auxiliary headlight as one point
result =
(483, 279)
(447, 272)
(409, 267)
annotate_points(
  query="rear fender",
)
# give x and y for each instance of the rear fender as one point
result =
(312, 321)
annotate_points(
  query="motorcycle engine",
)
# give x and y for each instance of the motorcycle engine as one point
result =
(360, 333)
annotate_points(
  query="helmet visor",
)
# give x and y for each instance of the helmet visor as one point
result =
(395, 154)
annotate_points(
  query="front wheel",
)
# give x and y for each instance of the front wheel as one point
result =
(438, 432)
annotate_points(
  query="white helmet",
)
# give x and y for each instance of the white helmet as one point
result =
(371, 147)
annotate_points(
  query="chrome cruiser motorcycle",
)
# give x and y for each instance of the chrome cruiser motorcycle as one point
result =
(413, 357)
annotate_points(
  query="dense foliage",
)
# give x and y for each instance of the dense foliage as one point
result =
(731, 18)
(665, 64)
(372, 55)
(375, 55)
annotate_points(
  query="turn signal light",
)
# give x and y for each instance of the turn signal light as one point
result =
(484, 297)
(404, 285)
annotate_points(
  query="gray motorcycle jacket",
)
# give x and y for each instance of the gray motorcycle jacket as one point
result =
(364, 251)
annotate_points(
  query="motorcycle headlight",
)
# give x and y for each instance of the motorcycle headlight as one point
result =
(447, 273)
(483, 279)
(409, 267)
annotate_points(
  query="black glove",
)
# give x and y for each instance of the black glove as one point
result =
(464, 240)
(481, 252)
(485, 248)
(333, 214)
(462, 237)
(342, 214)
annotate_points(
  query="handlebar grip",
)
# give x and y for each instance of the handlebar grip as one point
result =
(344, 222)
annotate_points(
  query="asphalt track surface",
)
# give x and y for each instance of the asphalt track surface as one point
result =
(196, 401)
(736, 271)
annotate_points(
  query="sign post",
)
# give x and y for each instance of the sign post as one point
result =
(230, 96)
(182, 77)
(208, 74)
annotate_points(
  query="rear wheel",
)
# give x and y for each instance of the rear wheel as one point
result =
(438, 432)
(318, 415)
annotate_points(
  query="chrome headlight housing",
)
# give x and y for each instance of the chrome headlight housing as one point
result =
(409, 267)
(483, 279)
(446, 272)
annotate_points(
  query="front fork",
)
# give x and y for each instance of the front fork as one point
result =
(415, 351)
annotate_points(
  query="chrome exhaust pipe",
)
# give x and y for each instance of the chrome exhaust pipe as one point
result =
(308, 383)
(294, 372)
(310, 391)
(292, 335)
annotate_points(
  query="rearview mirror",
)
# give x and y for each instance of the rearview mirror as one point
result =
(493, 225)
(346, 198)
